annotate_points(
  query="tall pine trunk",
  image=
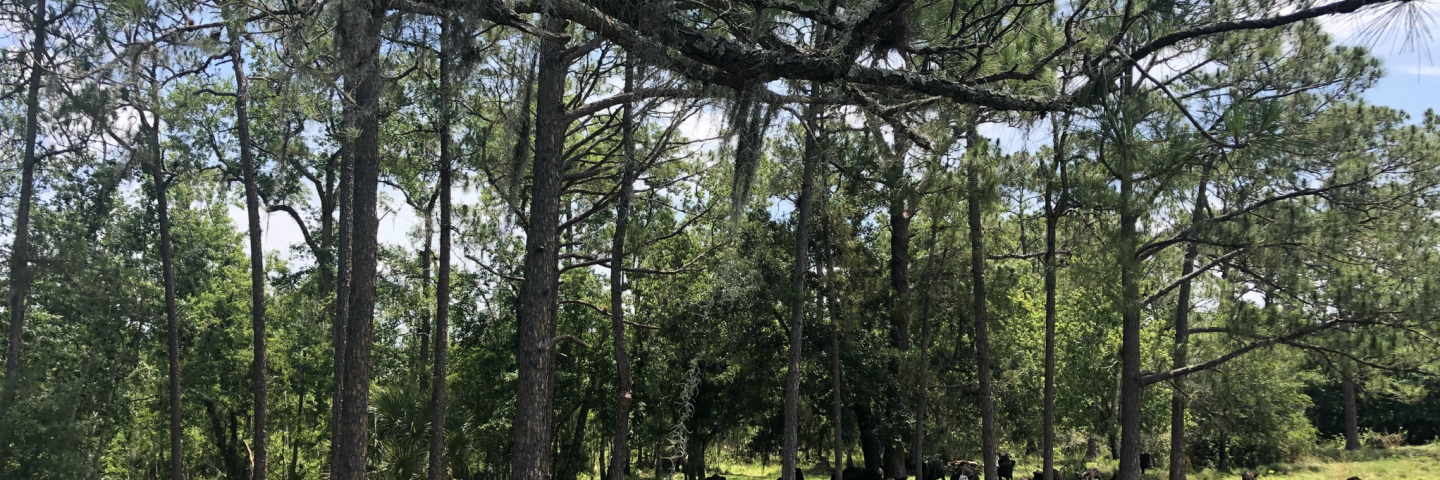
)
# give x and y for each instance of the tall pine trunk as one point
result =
(1180, 356)
(20, 248)
(261, 420)
(1131, 390)
(922, 390)
(341, 328)
(442, 283)
(1352, 417)
(900, 256)
(167, 265)
(982, 335)
(620, 453)
(1054, 207)
(361, 21)
(539, 301)
(832, 303)
(427, 257)
(802, 266)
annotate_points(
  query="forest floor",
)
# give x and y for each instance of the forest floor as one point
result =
(1409, 462)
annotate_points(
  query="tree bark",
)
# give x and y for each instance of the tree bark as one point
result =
(20, 248)
(869, 443)
(982, 335)
(442, 287)
(574, 454)
(923, 389)
(325, 258)
(427, 255)
(832, 303)
(295, 443)
(1352, 421)
(1180, 356)
(620, 454)
(1053, 209)
(802, 266)
(1131, 388)
(260, 442)
(167, 265)
(539, 292)
(919, 450)
(695, 458)
(900, 259)
(360, 48)
(341, 327)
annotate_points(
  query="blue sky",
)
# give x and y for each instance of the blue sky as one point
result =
(1412, 78)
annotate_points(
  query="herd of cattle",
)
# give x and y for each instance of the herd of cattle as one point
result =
(936, 469)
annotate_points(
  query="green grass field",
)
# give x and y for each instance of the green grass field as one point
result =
(1417, 462)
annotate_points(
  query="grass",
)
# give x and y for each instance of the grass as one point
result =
(1418, 462)
(1404, 463)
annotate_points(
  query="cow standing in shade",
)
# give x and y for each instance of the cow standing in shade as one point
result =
(1006, 467)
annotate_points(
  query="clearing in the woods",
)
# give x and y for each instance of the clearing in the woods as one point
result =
(1408, 462)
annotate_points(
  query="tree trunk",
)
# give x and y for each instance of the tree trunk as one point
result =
(900, 261)
(802, 266)
(226, 441)
(1131, 390)
(442, 287)
(341, 327)
(167, 263)
(360, 48)
(895, 458)
(1352, 421)
(426, 257)
(539, 292)
(921, 388)
(20, 248)
(695, 458)
(260, 440)
(982, 335)
(295, 444)
(620, 454)
(832, 304)
(1180, 356)
(1054, 207)
(325, 258)
(869, 443)
(575, 455)
(836, 418)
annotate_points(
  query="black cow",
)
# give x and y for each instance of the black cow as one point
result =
(1144, 463)
(934, 469)
(966, 471)
(798, 475)
(1006, 467)
(1040, 475)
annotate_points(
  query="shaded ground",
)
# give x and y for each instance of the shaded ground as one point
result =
(1414, 462)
